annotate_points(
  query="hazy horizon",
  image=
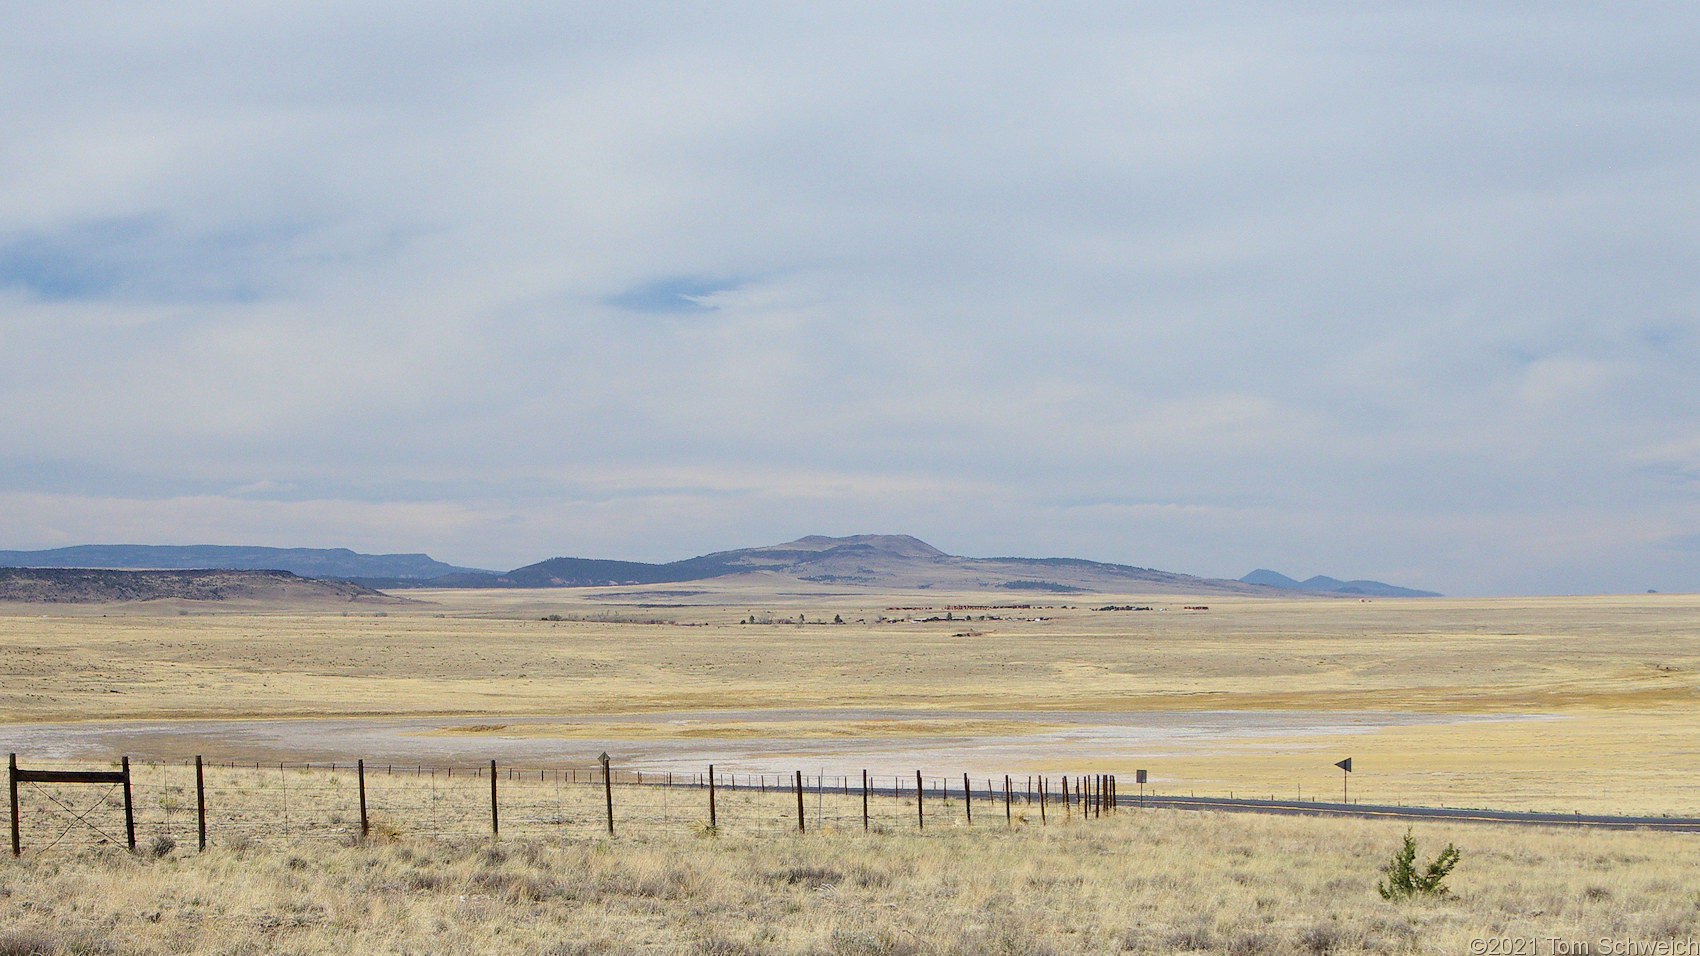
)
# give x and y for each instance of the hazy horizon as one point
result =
(1404, 293)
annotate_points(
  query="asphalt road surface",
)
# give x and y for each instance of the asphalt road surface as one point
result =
(1382, 811)
(1309, 808)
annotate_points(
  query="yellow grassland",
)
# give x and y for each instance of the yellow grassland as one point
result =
(1609, 684)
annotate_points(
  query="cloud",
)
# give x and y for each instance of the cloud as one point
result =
(139, 258)
(1684, 542)
(677, 294)
(1423, 273)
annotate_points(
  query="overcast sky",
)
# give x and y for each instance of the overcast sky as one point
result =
(1408, 292)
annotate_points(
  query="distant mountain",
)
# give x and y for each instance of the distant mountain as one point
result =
(875, 560)
(1271, 579)
(307, 562)
(92, 586)
(812, 553)
(1328, 585)
(871, 560)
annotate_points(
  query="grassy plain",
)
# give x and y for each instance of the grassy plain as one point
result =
(1571, 703)
(1608, 685)
(1140, 882)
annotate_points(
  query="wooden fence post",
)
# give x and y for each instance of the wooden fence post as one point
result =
(12, 778)
(713, 821)
(608, 790)
(864, 800)
(967, 799)
(920, 811)
(1068, 812)
(1042, 821)
(495, 822)
(360, 771)
(129, 808)
(1008, 819)
(802, 827)
(200, 804)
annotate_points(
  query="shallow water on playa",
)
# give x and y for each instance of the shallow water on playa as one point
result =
(1059, 739)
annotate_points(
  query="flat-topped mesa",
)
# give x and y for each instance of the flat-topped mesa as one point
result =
(102, 585)
(871, 560)
(902, 545)
(306, 562)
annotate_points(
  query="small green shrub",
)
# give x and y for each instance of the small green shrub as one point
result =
(1403, 879)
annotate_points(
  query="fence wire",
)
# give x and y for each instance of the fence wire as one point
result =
(278, 804)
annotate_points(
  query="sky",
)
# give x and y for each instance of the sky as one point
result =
(1397, 291)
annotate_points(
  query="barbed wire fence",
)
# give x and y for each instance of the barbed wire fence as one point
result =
(195, 803)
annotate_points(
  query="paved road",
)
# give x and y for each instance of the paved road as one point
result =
(1319, 809)
(1381, 811)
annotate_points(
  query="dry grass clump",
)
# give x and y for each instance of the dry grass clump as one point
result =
(1150, 882)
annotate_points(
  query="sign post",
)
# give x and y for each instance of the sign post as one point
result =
(1345, 773)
